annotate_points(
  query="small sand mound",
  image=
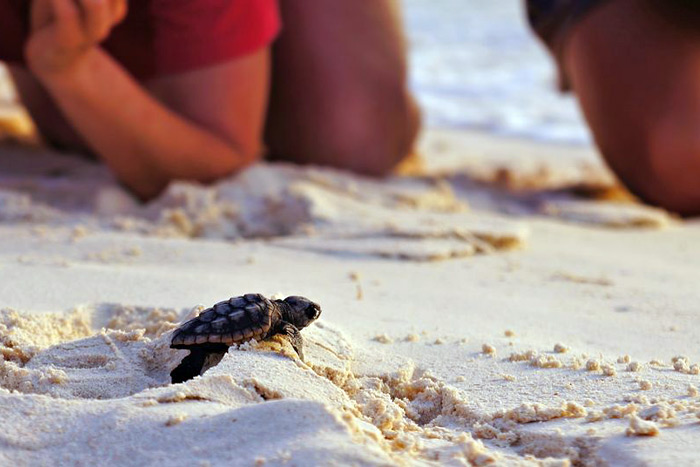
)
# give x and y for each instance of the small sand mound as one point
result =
(153, 321)
(608, 214)
(23, 335)
(395, 417)
(401, 218)
(401, 416)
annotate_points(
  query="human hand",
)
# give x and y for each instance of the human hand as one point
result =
(64, 31)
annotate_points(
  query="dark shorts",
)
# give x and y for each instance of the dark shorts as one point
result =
(552, 21)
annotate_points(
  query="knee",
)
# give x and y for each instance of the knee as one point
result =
(371, 136)
(666, 169)
(363, 128)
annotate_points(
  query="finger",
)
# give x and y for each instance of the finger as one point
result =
(119, 11)
(67, 16)
(41, 14)
(97, 19)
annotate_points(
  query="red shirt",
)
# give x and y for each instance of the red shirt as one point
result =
(165, 36)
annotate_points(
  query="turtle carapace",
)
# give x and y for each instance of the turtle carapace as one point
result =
(237, 320)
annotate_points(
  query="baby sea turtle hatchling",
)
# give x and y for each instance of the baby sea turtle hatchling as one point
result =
(238, 320)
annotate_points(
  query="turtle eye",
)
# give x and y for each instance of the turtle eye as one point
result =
(313, 312)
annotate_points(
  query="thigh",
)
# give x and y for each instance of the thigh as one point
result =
(338, 41)
(336, 63)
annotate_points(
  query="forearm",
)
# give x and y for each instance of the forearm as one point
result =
(142, 141)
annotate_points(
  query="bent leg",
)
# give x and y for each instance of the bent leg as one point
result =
(339, 93)
(190, 366)
(635, 66)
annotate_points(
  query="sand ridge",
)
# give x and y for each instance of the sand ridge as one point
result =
(420, 218)
(403, 416)
(442, 383)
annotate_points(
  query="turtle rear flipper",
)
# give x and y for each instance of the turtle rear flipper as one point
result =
(212, 359)
(190, 366)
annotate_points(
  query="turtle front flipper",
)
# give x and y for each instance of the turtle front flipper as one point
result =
(190, 366)
(295, 338)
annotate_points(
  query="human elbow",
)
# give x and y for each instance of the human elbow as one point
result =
(219, 163)
(223, 163)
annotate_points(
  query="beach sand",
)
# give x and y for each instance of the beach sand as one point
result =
(506, 303)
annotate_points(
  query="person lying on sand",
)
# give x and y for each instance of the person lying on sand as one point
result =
(167, 89)
(635, 66)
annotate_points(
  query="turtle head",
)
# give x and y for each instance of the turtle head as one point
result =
(302, 311)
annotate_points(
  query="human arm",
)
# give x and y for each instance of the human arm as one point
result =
(197, 125)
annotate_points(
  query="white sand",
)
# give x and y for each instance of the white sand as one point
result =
(463, 322)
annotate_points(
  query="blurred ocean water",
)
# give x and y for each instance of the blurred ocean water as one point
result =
(476, 65)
